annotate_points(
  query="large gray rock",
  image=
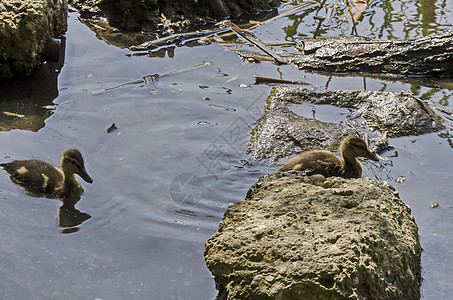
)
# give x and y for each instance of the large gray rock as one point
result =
(25, 29)
(310, 238)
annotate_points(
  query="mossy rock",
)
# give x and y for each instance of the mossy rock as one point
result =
(25, 28)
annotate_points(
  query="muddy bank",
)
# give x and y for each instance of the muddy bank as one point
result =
(26, 32)
(311, 238)
(281, 132)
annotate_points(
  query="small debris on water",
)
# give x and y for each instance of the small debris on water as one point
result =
(206, 123)
(235, 77)
(400, 179)
(111, 128)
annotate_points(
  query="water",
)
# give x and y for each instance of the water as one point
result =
(164, 178)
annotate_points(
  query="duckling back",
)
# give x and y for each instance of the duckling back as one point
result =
(314, 162)
(36, 176)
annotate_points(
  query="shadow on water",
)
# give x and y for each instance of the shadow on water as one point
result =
(26, 102)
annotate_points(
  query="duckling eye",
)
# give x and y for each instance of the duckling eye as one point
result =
(73, 162)
(363, 146)
(360, 146)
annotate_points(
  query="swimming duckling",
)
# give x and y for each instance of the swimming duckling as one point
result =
(325, 163)
(40, 178)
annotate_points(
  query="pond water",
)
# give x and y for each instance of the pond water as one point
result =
(165, 176)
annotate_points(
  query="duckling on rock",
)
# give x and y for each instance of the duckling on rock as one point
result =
(325, 163)
(42, 179)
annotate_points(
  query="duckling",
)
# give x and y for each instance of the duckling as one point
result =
(42, 179)
(325, 163)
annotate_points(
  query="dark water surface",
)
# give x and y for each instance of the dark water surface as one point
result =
(164, 178)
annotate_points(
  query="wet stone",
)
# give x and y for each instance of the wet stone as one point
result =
(398, 114)
(281, 132)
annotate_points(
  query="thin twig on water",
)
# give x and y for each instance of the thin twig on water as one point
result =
(149, 79)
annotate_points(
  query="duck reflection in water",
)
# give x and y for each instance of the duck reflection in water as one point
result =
(42, 179)
(325, 163)
(69, 216)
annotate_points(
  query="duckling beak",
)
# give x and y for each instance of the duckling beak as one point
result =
(83, 173)
(371, 156)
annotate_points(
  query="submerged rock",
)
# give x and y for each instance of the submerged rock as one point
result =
(315, 238)
(26, 32)
(398, 114)
(281, 132)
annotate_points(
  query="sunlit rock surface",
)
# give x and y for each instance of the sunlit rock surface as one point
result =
(25, 29)
(313, 238)
(281, 132)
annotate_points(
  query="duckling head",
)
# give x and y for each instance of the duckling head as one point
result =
(72, 163)
(353, 146)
